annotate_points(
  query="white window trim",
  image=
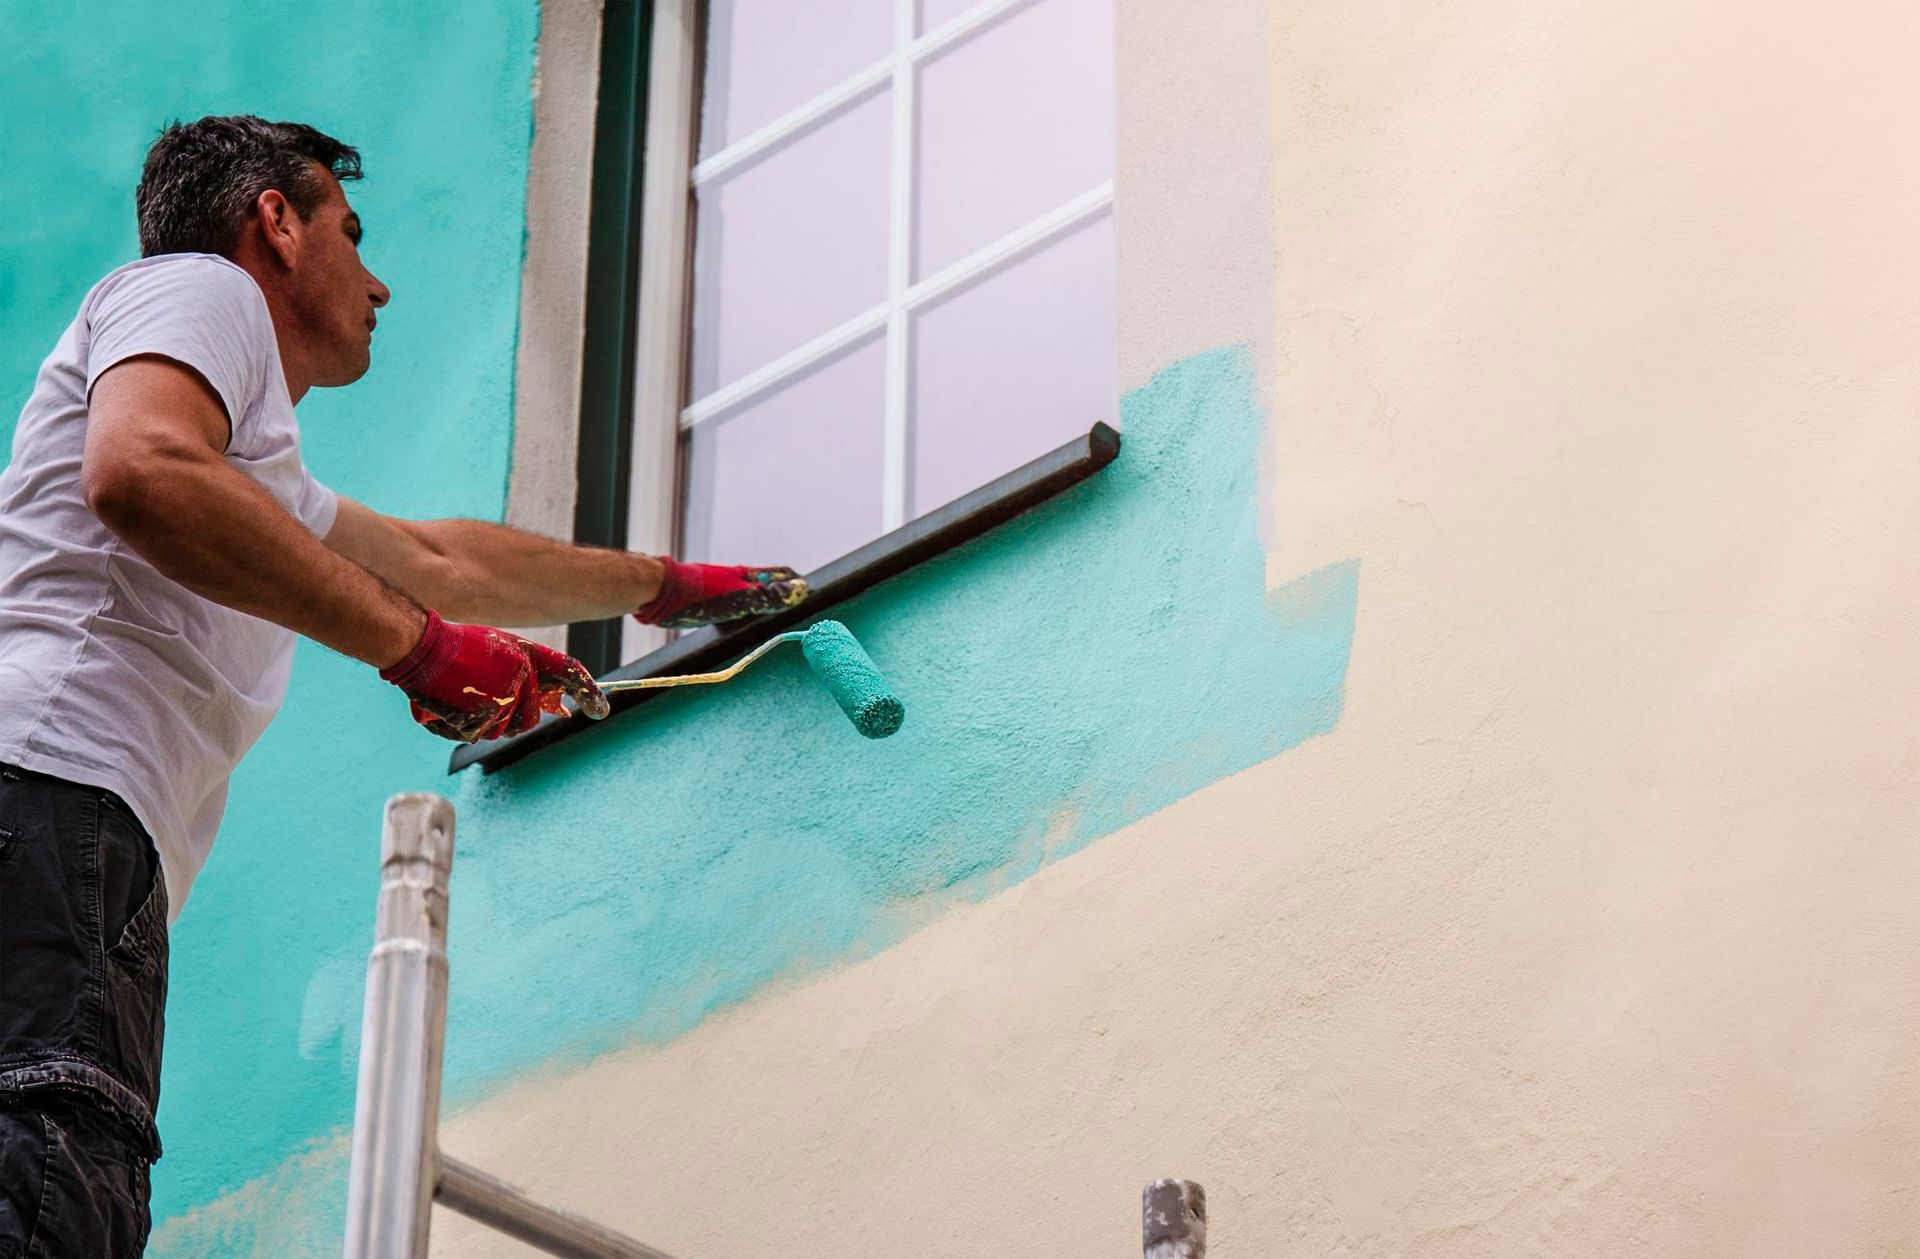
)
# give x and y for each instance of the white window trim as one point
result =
(660, 409)
(660, 350)
(543, 476)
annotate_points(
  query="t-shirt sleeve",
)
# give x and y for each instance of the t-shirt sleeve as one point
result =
(315, 505)
(200, 312)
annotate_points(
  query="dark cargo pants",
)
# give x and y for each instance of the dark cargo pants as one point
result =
(83, 988)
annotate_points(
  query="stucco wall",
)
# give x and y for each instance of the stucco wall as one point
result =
(546, 432)
(274, 935)
(1586, 929)
(622, 888)
(1443, 789)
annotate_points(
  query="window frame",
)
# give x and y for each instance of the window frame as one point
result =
(637, 313)
(670, 171)
(623, 114)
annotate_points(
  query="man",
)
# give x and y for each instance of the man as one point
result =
(160, 545)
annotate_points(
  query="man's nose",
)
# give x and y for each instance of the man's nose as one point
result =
(379, 292)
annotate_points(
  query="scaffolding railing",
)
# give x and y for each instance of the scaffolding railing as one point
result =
(398, 1171)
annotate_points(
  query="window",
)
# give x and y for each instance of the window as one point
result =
(902, 268)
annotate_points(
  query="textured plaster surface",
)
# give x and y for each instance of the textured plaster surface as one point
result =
(546, 433)
(1194, 222)
(1597, 339)
(1589, 930)
(542, 482)
(437, 99)
(599, 903)
(1078, 669)
(1082, 669)
(1586, 931)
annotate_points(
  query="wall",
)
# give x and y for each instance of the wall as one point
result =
(553, 276)
(1598, 325)
(1021, 1047)
(622, 889)
(1442, 789)
(1586, 928)
(274, 935)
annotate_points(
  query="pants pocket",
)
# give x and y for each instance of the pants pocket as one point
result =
(144, 938)
(134, 1021)
(49, 922)
(23, 1179)
(94, 1197)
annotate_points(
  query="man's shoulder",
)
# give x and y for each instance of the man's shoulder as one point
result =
(180, 276)
(197, 309)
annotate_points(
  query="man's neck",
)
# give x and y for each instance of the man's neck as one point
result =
(293, 364)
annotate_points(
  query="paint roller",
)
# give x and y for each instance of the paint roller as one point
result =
(836, 658)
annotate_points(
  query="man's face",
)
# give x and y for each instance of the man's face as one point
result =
(333, 293)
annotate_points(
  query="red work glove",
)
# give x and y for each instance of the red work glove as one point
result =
(706, 594)
(473, 682)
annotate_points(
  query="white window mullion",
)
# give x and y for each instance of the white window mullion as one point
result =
(1046, 228)
(843, 94)
(1033, 236)
(893, 495)
(758, 381)
(745, 150)
(665, 277)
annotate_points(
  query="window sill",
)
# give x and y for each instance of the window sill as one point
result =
(916, 542)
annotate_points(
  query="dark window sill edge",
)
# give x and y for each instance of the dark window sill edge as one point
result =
(851, 575)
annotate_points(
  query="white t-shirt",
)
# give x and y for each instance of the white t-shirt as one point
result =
(110, 674)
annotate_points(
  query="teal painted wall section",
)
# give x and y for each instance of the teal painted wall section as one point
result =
(437, 97)
(1074, 671)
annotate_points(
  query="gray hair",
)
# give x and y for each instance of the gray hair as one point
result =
(201, 179)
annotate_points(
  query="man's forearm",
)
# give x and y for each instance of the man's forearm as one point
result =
(504, 576)
(203, 524)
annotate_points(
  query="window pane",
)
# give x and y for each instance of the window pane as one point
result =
(1014, 121)
(937, 13)
(790, 245)
(1013, 365)
(794, 476)
(766, 57)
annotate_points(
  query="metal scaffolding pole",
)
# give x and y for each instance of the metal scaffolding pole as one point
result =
(1173, 1220)
(498, 1205)
(397, 1106)
(398, 1169)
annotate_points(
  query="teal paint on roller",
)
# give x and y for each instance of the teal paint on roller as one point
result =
(850, 676)
(835, 656)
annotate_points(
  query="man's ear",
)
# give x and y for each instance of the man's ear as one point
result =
(280, 226)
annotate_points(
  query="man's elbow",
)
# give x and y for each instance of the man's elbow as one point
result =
(118, 494)
(134, 496)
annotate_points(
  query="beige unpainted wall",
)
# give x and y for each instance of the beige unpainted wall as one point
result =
(1591, 329)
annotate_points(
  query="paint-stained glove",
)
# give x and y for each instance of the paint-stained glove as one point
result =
(473, 682)
(706, 594)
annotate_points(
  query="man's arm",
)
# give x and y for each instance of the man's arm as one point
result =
(473, 571)
(154, 474)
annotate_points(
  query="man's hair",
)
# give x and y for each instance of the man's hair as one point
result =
(201, 179)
